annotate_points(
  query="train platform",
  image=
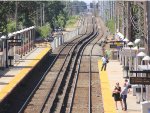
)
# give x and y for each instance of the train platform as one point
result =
(108, 80)
(11, 76)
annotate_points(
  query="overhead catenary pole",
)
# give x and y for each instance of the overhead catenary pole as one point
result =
(41, 17)
(16, 15)
(43, 13)
(148, 23)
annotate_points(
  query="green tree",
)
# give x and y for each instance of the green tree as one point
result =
(26, 12)
(5, 10)
(53, 9)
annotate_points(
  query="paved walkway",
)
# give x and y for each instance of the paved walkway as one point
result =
(12, 76)
(108, 80)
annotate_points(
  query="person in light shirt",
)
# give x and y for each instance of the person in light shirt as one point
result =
(104, 63)
(124, 93)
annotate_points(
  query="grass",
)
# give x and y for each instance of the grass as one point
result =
(111, 25)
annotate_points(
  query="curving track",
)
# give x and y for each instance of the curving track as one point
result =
(46, 91)
(85, 96)
(71, 84)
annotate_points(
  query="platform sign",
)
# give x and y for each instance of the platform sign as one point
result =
(118, 43)
(113, 46)
(140, 80)
(14, 43)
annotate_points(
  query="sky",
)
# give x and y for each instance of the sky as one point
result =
(87, 1)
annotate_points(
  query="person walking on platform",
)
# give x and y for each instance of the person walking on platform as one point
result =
(124, 93)
(116, 95)
(104, 63)
(128, 85)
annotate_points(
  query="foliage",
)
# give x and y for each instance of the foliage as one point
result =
(71, 21)
(24, 14)
(44, 30)
(54, 9)
(11, 26)
(78, 6)
(135, 8)
(4, 10)
(111, 25)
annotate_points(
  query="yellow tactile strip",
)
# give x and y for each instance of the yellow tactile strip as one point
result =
(108, 102)
(8, 88)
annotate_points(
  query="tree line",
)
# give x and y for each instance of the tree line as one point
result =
(16, 15)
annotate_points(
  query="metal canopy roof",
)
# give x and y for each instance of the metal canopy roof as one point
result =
(17, 32)
(126, 51)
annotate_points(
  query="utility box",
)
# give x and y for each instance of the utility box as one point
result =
(137, 92)
(114, 55)
(145, 107)
(134, 89)
(10, 58)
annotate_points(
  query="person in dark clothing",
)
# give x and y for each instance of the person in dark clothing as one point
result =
(117, 96)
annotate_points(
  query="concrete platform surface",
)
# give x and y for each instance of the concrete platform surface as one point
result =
(11, 76)
(108, 80)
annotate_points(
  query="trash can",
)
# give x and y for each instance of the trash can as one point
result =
(145, 107)
(10, 58)
(138, 94)
(126, 72)
(114, 55)
(134, 89)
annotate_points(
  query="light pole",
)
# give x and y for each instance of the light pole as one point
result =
(125, 40)
(136, 42)
(141, 54)
(130, 44)
(6, 46)
(146, 58)
(125, 65)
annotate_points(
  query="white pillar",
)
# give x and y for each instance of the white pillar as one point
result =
(147, 93)
(59, 40)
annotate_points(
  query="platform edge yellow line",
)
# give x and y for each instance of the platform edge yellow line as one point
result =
(8, 88)
(108, 102)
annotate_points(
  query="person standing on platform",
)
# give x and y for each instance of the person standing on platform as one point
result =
(128, 85)
(104, 63)
(117, 96)
(124, 93)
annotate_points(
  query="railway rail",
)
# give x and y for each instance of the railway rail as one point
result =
(48, 79)
(57, 89)
(80, 94)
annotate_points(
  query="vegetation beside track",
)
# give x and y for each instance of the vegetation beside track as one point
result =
(111, 25)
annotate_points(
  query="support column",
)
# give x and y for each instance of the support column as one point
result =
(23, 49)
(29, 41)
(148, 45)
(129, 21)
(148, 23)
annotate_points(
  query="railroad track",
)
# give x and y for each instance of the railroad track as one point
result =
(51, 78)
(81, 93)
(58, 107)
(56, 90)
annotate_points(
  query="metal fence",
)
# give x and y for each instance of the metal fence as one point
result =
(60, 39)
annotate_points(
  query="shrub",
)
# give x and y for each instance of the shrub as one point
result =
(11, 26)
(44, 30)
(71, 21)
(111, 25)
